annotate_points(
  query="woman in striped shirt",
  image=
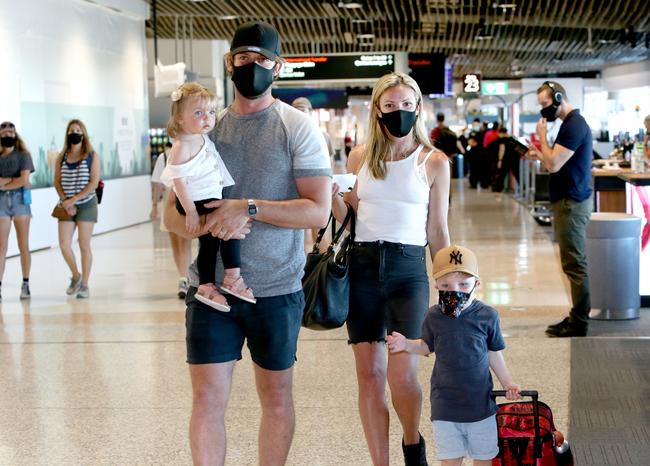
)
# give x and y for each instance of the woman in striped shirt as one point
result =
(76, 175)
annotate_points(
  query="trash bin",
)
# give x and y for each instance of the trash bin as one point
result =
(613, 250)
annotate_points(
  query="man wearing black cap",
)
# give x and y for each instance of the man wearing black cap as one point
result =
(282, 184)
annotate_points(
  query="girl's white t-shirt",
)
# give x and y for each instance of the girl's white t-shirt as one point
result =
(205, 174)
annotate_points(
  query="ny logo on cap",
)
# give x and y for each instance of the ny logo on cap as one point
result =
(456, 257)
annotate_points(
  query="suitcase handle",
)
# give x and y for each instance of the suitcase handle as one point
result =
(528, 393)
(537, 449)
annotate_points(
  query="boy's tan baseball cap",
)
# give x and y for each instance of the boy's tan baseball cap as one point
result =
(454, 259)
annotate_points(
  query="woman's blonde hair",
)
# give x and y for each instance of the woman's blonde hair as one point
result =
(378, 146)
(20, 145)
(86, 146)
(181, 96)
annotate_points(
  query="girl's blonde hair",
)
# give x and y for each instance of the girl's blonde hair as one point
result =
(86, 147)
(181, 96)
(378, 146)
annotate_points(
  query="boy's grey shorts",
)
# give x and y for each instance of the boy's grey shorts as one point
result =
(476, 440)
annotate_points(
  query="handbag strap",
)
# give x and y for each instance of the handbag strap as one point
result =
(336, 233)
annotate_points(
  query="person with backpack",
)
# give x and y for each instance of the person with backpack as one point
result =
(76, 177)
(444, 138)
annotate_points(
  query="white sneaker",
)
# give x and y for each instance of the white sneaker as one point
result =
(24, 291)
(83, 292)
(74, 285)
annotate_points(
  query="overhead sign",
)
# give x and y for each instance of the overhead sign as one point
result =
(323, 67)
(494, 88)
(472, 83)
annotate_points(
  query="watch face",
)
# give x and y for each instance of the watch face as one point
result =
(252, 209)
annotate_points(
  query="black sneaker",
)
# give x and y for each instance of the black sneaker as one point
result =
(566, 329)
(560, 324)
(415, 455)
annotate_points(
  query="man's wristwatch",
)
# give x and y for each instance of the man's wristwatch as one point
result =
(252, 208)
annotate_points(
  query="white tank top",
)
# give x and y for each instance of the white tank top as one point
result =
(394, 209)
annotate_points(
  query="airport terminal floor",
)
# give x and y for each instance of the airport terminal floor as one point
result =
(104, 381)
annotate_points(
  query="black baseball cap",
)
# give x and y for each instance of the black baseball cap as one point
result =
(256, 36)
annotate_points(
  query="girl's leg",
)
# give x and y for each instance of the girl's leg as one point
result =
(5, 228)
(22, 235)
(482, 462)
(206, 261)
(85, 235)
(66, 231)
(370, 361)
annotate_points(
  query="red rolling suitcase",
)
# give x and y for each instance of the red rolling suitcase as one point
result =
(527, 435)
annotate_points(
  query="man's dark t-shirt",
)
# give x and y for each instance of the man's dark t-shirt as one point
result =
(573, 180)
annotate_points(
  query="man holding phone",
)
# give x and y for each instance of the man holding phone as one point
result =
(570, 187)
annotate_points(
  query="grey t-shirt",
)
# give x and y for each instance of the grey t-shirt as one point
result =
(461, 381)
(11, 165)
(265, 153)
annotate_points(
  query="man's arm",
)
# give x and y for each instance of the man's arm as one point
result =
(553, 158)
(310, 210)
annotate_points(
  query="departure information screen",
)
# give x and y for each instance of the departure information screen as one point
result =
(323, 67)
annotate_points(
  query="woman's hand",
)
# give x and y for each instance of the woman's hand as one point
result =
(335, 188)
(67, 203)
(71, 210)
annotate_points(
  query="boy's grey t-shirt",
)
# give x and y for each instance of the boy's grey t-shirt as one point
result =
(265, 153)
(461, 381)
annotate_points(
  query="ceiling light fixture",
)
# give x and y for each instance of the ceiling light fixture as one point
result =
(349, 5)
(225, 17)
(365, 36)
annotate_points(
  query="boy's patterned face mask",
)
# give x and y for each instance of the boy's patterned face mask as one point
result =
(452, 303)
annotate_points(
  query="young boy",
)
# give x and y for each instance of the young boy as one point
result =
(466, 337)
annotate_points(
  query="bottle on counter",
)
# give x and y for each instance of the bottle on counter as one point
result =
(638, 159)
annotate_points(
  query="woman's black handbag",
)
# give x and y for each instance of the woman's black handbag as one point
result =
(326, 283)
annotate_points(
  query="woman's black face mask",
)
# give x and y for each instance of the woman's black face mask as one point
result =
(399, 122)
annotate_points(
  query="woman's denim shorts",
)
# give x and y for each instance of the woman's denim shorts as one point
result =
(389, 291)
(12, 204)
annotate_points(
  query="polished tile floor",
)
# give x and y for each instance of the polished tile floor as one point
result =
(103, 381)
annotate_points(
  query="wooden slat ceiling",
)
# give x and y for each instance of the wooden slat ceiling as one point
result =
(528, 37)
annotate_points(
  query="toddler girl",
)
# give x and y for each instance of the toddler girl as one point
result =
(198, 175)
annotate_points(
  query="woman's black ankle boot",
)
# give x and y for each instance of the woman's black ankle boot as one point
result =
(415, 455)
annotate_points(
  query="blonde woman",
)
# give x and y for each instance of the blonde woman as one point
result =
(15, 167)
(76, 175)
(401, 199)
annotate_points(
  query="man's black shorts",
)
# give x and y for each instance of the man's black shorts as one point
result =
(270, 328)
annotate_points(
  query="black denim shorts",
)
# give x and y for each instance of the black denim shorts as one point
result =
(270, 328)
(389, 291)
